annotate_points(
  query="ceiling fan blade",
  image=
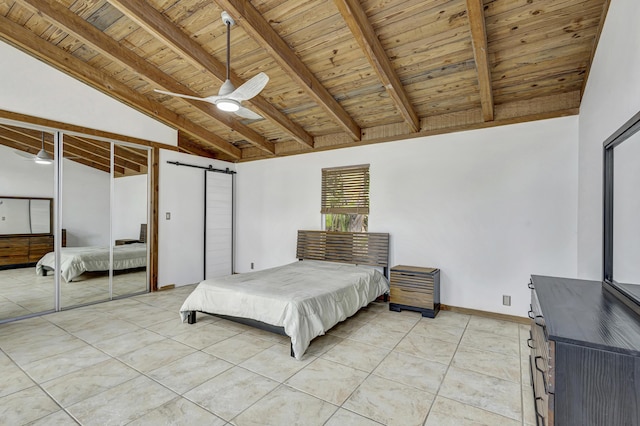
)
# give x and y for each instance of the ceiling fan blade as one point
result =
(247, 113)
(180, 95)
(25, 155)
(250, 88)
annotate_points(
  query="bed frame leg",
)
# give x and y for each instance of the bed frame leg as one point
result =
(293, 355)
(44, 272)
(191, 317)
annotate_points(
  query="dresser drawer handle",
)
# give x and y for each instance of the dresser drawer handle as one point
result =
(530, 285)
(530, 343)
(544, 376)
(538, 415)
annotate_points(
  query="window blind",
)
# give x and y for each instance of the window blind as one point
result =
(345, 190)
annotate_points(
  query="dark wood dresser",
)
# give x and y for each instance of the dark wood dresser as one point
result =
(23, 250)
(585, 355)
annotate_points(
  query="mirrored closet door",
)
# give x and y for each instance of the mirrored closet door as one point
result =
(96, 199)
(26, 220)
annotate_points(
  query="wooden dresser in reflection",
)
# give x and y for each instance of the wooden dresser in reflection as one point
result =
(23, 250)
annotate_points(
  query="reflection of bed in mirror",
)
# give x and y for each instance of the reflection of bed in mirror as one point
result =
(77, 260)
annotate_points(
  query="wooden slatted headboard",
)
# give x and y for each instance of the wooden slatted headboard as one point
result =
(360, 248)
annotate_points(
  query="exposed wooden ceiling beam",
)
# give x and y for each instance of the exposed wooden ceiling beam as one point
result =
(260, 30)
(154, 22)
(30, 43)
(475, 11)
(24, 143)
(192, 148)
(364, 33)
(74, 25)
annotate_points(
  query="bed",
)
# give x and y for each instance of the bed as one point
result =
(77, 260)
(337, 274)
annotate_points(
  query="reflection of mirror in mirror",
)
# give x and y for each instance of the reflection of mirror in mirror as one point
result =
(20, 215)
(626, 215)
(14, 216)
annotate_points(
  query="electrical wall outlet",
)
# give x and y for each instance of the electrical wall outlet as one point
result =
(506, 300)
(168, 215)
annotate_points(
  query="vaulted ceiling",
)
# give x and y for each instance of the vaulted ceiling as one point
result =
(342, 72)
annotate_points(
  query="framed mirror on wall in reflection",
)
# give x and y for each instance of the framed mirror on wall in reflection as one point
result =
(621, 238)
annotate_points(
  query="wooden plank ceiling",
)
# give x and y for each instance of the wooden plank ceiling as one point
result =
(342, 72)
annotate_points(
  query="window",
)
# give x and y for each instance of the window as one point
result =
(345, 198)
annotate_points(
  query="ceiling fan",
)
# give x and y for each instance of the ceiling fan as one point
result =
(229, 98)
(42, 157)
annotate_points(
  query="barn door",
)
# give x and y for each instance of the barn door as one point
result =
(218, 239)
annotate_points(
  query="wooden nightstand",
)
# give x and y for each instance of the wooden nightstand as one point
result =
(416, 289)
(124, 241)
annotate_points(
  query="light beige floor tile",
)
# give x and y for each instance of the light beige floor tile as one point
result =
(238, 348)
(64, 363)
(44, 348)
(189, 371)
(174, 327)
(495, 326)
(59, 418)
(87, 382)
(412, 371)
(322, 344)
(395, 321)
(328, 380)
(344, 417)
(427, 348)
(128, 342)
(491, 363)
(268, 335)
(123, 403)
(100, 330)
(438, 332)
(449, 319)
(389, 402)
(276, 363)
(446, 412)
(156, 355)
(377, 336)
(13, 378)
(365, 314)
(26, 406)
(177, 412)
(356, 354)
(490, 342)
(230, 393)
(204, 336)
(345, 328)
(488, 393)
(286, 406)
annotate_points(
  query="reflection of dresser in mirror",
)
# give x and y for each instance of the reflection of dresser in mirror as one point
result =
(26, 231)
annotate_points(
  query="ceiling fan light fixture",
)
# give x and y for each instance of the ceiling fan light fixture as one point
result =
(42, 157)
(228, 105)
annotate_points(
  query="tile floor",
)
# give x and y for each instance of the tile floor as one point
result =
(132, 361)
(23, 292)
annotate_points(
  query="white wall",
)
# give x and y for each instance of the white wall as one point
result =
(29, 86)
(612, 96)
(85, 195)
(129, 206)
(181, 249)
(85, 205)
(488, 207)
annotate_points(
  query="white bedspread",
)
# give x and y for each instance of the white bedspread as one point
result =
(77, 260)
(307, 298)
